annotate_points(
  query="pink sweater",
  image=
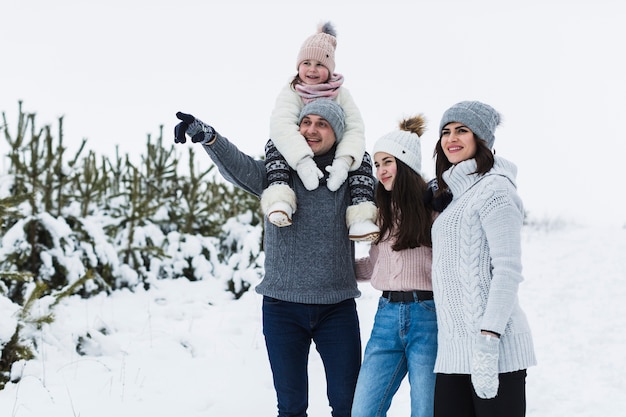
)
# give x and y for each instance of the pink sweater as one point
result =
(388, 270)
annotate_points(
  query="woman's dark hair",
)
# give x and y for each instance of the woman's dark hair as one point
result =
(404, 208)
(483, 156)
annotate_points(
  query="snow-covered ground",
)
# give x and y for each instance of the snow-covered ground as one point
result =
(186, 349)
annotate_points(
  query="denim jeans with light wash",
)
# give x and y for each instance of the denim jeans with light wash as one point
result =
(289, 329)
(403, 340)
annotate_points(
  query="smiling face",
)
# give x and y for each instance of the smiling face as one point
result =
(312, 72)
(458, 142)
(319, 134)
(386, 169)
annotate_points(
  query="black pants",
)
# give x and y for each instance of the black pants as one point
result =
(455, 397)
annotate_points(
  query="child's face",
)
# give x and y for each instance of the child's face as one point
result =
(313, 72)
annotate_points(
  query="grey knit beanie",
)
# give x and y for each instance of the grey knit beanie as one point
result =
(480, 118)
(329, 111)
(404, 144)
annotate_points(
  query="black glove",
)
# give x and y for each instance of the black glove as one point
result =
(440, 202)
(199, 131)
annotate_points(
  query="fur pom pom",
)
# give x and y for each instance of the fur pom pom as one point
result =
(415, 124)
(327, 28)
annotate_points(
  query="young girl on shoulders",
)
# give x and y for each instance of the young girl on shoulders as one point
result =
(287, 149)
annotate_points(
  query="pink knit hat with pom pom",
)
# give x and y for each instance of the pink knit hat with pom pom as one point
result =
(320, 47)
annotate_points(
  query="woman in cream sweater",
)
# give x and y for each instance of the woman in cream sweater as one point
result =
(484, 342)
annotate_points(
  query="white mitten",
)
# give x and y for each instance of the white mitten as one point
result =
(309, 173)
(485, 366)
(338, 172)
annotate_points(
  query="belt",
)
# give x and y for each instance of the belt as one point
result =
(407, 296)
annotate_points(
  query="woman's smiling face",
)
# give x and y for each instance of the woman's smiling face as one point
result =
(458, 142)
(386, 169)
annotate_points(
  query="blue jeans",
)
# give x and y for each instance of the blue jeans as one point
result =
(403, 340)
(289, 329)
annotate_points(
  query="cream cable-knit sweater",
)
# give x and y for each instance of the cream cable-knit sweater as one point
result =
(477, 268)
(405, 270)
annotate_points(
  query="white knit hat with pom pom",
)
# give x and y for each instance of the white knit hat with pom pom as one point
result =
(405, 144)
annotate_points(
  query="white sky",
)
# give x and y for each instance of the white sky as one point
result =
(117, 70)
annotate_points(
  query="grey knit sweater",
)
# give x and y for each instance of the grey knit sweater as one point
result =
(311, 261)
(477, 268)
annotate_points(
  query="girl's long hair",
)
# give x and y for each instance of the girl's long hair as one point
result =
(402, 214)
